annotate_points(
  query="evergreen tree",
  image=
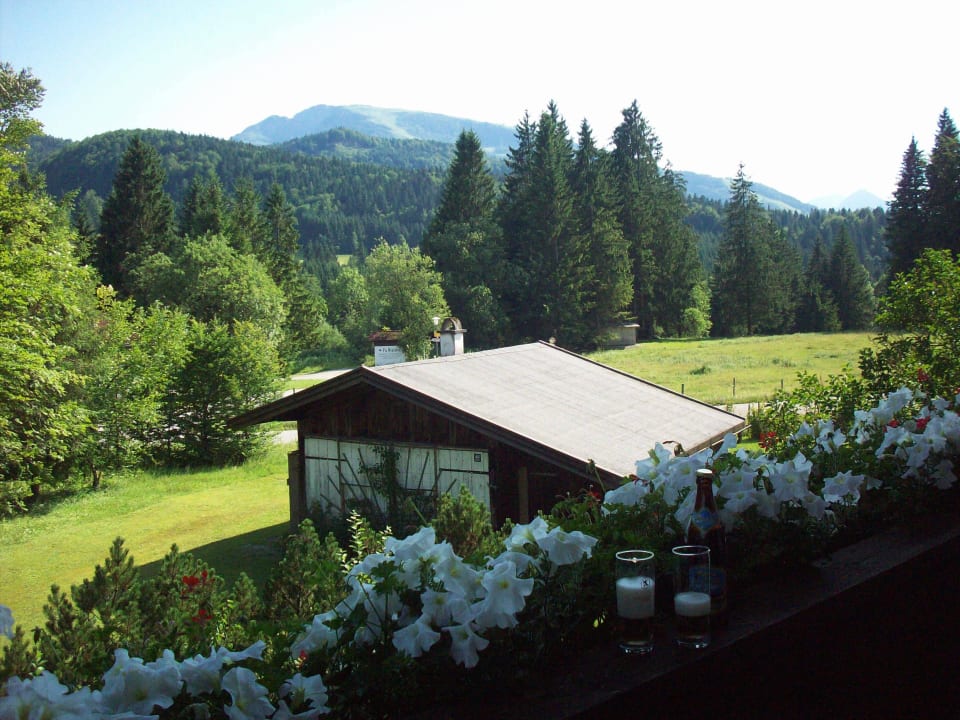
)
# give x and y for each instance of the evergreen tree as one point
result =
(203, 209)
(282, 240)
(636, 155)
(850, 286)
(743, 274)
(652, 212)
(943, 195)
(464, 242)
(608, 283)
(137, 218)
(906, 229)
(816, 310)
(555, 255)
(245, 225)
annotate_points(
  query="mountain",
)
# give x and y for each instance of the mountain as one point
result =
(384, 136)
(376, 122)
(714, 188)
(856, 201)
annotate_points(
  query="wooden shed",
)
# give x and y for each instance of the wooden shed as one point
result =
(517, 426)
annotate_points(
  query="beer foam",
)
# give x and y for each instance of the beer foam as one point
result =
(691, 604)
(635, 597)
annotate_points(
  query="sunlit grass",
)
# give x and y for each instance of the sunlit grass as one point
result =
(737, 370)
(231, 517)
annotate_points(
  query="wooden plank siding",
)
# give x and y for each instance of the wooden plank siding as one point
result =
(363, 413)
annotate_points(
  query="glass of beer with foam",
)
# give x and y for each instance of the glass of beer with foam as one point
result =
(691, 595)
(636, 575)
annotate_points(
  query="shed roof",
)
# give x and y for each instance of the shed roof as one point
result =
(536, 396)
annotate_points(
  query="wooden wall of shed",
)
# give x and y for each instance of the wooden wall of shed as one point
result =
(364, 413)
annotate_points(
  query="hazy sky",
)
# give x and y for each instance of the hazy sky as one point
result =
(814, 98)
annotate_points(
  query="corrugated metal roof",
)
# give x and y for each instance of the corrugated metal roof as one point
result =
(545, 396)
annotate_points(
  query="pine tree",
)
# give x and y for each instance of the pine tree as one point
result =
(816, 311)
(743, 274)
(849, 284)
(245, 227)
(464, 242)
(652, 211)
(906, 229)
(608, 284)
(137, 218)
(943, 195)
(282, 240)
(203, 211)
(636, 155)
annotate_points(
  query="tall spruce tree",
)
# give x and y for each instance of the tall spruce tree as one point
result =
(204, 209)
(635, 156)
(943, 194)
(816, 310)
(556, 253)
(282, 239)
(906, 229)
(849, 284)
(245, 225)
(652, 212)
(137, 218)
(464, 241)
(743, 275)
(608, 283)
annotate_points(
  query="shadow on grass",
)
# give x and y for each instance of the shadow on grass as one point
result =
(256, 553)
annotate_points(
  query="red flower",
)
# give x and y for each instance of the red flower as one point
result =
(202, 617)
(767, 439)
(922, 423)
(191, 581)
(922, 375)
(893, 423)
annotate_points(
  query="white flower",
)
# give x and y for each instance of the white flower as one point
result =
(6, 621)
(445, 608)
(302, 690)
(505, 596)
(412, 546)
(563, 548)
(789, 479)
(458, 577)
(44, 697)
(131, 686)
(843, 487)
(248, 697)
(738, 491)
(627, 494)
(943, 474)
(202, 674)
(465, 644)
(316, 636)
(529, 533)
(416, 638)
(814, 505)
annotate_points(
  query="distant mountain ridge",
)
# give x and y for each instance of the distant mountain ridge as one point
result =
(297, 134)
(376, 122)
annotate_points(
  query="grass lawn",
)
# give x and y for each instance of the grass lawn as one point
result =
(737, 370)
(233, 518)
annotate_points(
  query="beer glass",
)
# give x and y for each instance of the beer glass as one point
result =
(635, 571)
(691, 595)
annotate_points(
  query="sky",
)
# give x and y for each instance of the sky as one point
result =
(815, 99)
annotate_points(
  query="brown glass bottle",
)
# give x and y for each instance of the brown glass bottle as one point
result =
(706, 528)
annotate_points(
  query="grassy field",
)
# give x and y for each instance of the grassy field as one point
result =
(232, 518)
(737, 370)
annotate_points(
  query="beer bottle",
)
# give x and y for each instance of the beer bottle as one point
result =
(705, 528)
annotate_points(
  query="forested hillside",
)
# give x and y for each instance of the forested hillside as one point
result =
(336, 200)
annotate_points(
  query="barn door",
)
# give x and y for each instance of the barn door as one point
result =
(458, 468)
